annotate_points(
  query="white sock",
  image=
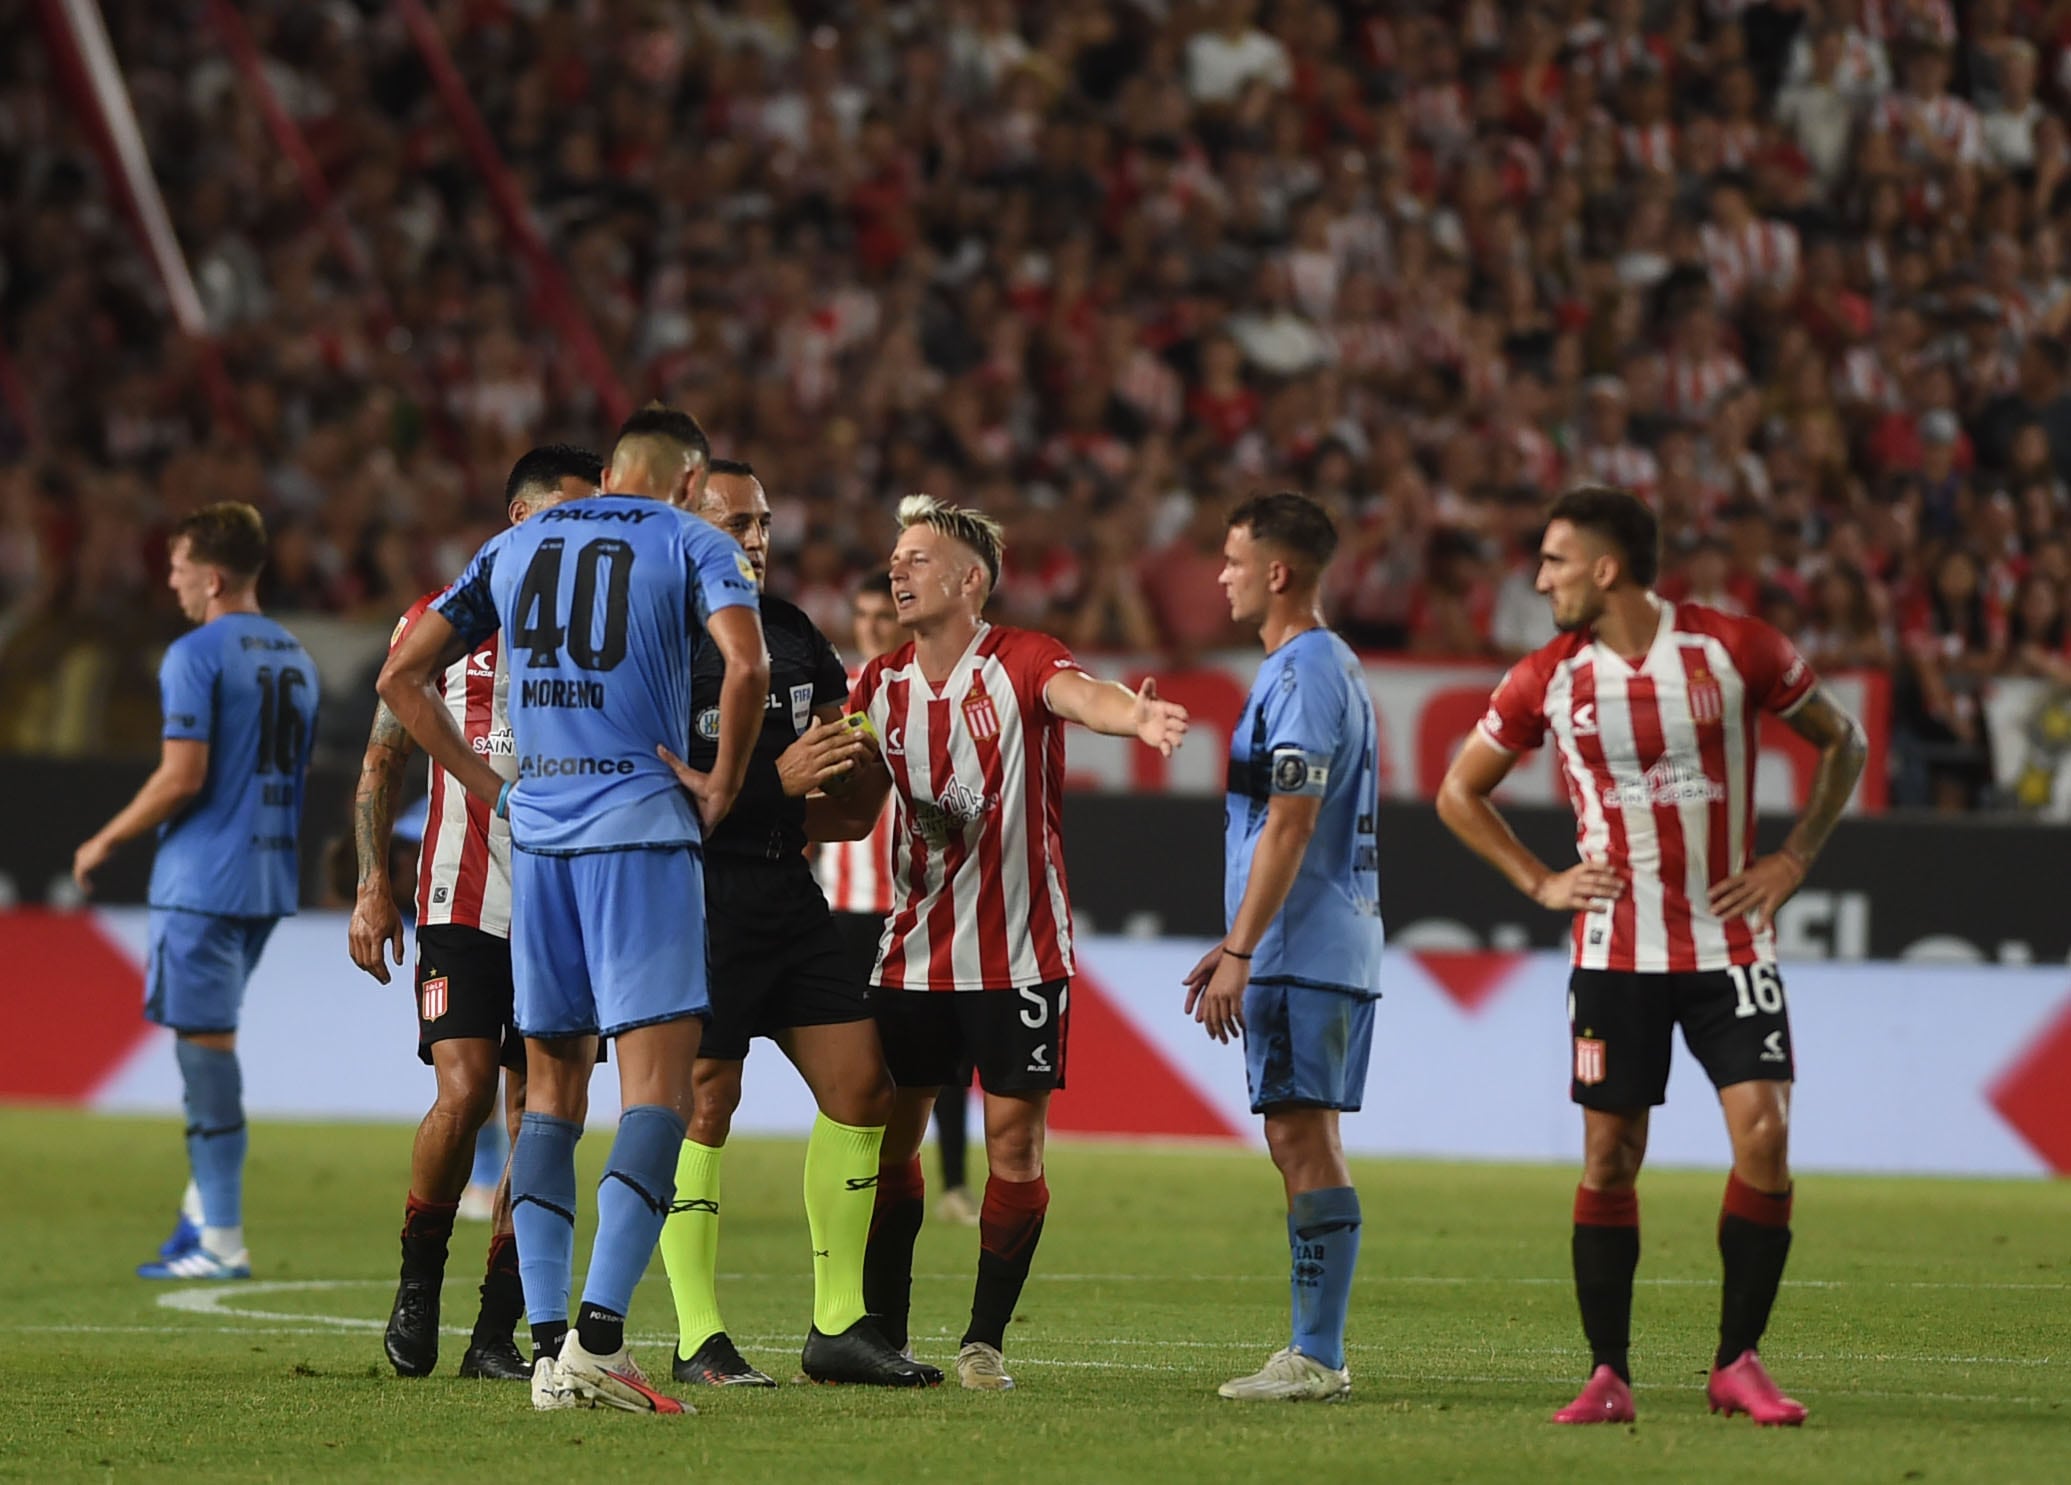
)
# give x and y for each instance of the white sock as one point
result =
(190, 1204)
(223, 1242)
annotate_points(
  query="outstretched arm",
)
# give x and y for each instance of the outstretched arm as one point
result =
(1843, 749)
(1112, 708)
(376, 925)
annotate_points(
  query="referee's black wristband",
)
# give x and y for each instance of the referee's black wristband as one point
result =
(1235, 955)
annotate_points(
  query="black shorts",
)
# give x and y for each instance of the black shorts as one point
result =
(464, 990)
(1014, 1038)
(1734, 1021)
(778, 959)
(860, 935)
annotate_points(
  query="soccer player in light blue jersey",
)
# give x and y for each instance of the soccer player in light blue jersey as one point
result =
(1298, 971)
(601, 603)
(240, 695)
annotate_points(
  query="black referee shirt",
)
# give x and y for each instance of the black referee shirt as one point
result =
(804, 673)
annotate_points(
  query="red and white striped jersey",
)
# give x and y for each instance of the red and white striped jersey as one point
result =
(977, 778)
(856, 875)
(1659, 763)
(1950, 122)
(464, 865)
(1649, 148)
(1690, 385)
(1761, 252)
(1864, 379)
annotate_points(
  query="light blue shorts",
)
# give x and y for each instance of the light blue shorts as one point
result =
(1306, 1046)
(197, 966)
(607, 940)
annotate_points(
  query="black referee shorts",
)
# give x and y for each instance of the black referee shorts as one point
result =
(778, 958)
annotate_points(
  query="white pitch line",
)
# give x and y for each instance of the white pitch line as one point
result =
(214, 1301)
(1491, 1280)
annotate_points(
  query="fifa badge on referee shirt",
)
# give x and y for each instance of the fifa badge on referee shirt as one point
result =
(1589, 1060)
(1707, 701)
(979, 715)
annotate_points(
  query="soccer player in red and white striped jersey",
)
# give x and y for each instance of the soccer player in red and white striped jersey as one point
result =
(1653, 709)
(464, 991)
(976, 959)
(856, 875)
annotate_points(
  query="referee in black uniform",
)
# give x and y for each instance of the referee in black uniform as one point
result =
(780, 969)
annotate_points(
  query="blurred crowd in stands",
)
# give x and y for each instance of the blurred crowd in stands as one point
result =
(1798, 272)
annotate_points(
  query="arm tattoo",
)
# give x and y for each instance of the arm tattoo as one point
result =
(374, 802)
(1843, 750)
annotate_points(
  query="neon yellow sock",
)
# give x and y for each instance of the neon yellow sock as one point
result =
(840, 1191)
(690, 1246)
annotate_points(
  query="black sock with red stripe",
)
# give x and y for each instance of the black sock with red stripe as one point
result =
(427, 1229)
(1010, 1224)
(1754, 1242)
(1607, 1254)
(503, 1296)
(888, 1256)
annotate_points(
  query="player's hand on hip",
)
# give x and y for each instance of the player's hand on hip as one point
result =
(1160, 724)
(1760, 890)
(824, 752)
(376, 930)
(1585, 885)
(1217, 1001)
(87, 860)
(710, 801)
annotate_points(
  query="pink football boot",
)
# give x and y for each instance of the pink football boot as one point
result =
(1745, 1387)
(1606, 1399)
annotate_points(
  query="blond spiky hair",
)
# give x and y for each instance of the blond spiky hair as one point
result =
(975, 529)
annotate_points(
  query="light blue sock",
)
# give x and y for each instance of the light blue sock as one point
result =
(632, 1202)
(214, 1097)
(543, 1214)
(492, 1148)
(1325, 1252)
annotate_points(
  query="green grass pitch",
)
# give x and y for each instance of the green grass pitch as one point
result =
(1926, 1323)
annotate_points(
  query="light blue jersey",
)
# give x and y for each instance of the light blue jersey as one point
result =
(247, 688)
(600, 602)
(1308, 729)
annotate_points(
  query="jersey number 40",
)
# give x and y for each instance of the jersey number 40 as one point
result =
(541, 632)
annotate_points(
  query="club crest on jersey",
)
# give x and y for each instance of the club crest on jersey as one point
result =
(433, 994)
(979, 714)
(1707, 700)
(801, 707)
(707, 724)
(1589, 1060)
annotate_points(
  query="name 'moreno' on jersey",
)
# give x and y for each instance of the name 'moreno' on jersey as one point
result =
(580, 591)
